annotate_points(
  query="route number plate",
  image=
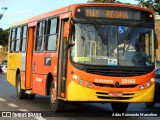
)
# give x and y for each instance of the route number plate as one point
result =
(115, 94)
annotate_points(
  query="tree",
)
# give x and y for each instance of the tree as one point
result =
(151, 4)
(103, 1)
(4, 37)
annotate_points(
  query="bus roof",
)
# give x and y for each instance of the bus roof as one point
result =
(24, 21)
(71, 8)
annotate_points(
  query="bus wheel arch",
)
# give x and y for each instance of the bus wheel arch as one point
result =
(19, 91)
(48, 83)
(55, 103)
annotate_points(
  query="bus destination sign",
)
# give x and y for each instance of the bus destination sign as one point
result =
(112, 13)
(108, 14)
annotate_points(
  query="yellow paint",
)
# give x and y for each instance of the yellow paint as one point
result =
(13, 65)
(77, 92)
(20, 22)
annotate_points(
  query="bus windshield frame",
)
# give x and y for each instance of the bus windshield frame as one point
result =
(112, 45)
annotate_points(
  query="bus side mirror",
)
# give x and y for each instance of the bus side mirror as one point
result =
(66, 32)
(156, 41)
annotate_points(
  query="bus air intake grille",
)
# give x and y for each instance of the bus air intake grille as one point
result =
(104, 95)
(115, 98)
(112, 86)
(116, 72)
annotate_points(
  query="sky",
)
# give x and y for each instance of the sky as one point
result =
(22, 9)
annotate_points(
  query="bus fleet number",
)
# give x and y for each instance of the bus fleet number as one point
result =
(128, 81)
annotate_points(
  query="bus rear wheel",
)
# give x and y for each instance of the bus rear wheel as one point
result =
(55, 104)
(19, 91)
(119, 107)
(31, 96)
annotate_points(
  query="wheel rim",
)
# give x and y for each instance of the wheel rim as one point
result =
(52, 96)
(18, 88)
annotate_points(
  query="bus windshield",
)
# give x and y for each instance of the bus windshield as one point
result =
(107, 45)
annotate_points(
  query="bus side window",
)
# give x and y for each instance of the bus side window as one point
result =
(17, 40)
(23, 39)
(12, 40)
(40, 36)
(52, 34)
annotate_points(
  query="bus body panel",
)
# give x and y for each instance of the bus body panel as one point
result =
(39, 85)
(44, 63)
(77, 92)
(13, 64)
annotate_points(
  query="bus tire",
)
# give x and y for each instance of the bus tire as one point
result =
(56, 105)
(31, 96)
(150, 104)
(19, 91)
(119, 107)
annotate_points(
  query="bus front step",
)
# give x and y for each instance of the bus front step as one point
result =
(28, 91)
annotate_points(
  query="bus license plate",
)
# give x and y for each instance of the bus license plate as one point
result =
(115, 94)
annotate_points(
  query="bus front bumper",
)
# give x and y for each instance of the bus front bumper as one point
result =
(76, 92)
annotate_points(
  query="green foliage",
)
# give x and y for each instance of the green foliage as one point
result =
(102, 1)
(105, 1)
(4, 37)
(151, 4)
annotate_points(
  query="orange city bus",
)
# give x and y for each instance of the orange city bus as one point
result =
(101, 53)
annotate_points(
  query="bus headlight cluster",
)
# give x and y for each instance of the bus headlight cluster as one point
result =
(141, 87)
(75, 77)
(147, 84)
(81, 81)
(152, 79)
(89, 85)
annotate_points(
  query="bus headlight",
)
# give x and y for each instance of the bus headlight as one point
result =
(141, 87)
(148, 84)
(81, 82)
(75, 77)
(88, 85)
(152, 80)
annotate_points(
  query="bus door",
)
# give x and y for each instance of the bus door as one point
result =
(62, 58)
(39, 70)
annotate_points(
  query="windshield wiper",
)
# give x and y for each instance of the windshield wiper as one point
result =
(129, 36)
(101, 33)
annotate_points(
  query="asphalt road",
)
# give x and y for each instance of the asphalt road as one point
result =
(74, 111)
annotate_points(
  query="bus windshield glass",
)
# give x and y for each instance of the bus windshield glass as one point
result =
(107, 45)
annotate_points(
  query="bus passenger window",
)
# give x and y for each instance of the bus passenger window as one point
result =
(40, 36)
(52, 34)
(12, 40)
(17, 41)
(24, 38)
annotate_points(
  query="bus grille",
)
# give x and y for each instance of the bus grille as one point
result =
(104, 95)
(116, 72)
(112, 86)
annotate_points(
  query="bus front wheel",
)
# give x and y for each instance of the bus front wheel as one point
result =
(149, 104)
(19, 91)
(119, 107)
(55, 104)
